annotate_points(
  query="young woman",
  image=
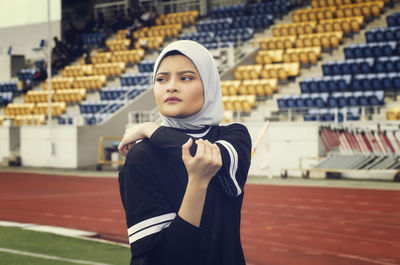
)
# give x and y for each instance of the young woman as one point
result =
(182, 185)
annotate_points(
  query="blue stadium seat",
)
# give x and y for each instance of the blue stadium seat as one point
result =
(6, 97)
(383, 34)
(136, 79)
(26, 74)
(374, 49)
(8, 87)
(96, 38)
(393, 20)
(146, 66)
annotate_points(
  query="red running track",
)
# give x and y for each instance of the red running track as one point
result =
(280, 224)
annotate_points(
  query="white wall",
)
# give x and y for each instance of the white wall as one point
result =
(56, 147)
(24, 38)
(283, 146)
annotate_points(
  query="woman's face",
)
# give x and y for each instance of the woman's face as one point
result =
(178, 88)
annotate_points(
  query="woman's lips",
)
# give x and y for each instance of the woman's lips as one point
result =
(172, 100)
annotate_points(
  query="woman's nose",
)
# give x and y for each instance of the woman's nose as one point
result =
(172, 86)
(172, 89)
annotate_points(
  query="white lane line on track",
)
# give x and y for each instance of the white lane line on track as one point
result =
(43, 256)
(321, 251)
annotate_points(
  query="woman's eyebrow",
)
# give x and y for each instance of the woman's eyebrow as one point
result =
(162, 73)
(179, 73)
(187, 72)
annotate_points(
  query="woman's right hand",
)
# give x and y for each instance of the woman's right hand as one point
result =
(204, 164)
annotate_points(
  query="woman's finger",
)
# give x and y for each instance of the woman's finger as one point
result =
(216, 154)
(200, 148)
(208, 149)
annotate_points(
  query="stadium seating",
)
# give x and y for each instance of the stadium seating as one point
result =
(303, 55)
(77, 70)
(90, 82)
(277, 43)
(101, 57)
(110, 93)
(241, 103)
(122, 34)
(35, 119)
(118, 45)
(303, 15)
(393, 114)
(107, 69)
(258, 87)
(14, 109)
(151, 43)
(281, 71)
(276, 8)
(26, 74)
(325, 84)
(376, 49)
(76, 95)
(59, 83)
(214, 25)
(393, 20)
(135, 79)
(129, 56)
(383, 34)
(269, 56)
(8, 87)
(97, 38)
(366, 9)
(291, 29)
(165, 31)
(58, 108)
(6, 97)
(184, 18)
(325, 40)
(347, 24)
(334, 100)
(146, 66)
(349, 66)
(381, 81)
(325, 3)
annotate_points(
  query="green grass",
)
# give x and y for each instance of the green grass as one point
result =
(55, 245)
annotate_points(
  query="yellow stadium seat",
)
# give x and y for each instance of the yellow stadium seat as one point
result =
(90, 82)
(59, 83)
(118, 45)
(29, 120)
(109, 69)
(57, 108)
(122, 33)
(393, 114)
(101, 57)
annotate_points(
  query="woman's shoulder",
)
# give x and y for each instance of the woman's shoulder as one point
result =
(234, 127)
(140, 151)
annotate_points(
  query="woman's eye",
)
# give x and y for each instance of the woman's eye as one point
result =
(160, 79)
(185, 78)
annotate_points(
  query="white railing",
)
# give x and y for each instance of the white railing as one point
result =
(143, 116)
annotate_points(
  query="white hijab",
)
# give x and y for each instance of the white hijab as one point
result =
(212, 111)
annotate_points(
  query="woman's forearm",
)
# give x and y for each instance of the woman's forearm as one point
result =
(192, 204)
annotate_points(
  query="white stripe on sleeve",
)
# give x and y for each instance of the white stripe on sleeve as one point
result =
(151, 225)
(234, 163)
(148, 231)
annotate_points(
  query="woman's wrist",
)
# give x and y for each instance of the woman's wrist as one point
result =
(148, 128)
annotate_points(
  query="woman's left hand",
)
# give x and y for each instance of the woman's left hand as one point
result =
(134, 134)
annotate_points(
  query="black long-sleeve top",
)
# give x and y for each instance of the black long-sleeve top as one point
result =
(152, 185)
